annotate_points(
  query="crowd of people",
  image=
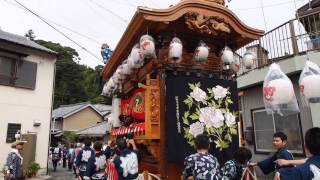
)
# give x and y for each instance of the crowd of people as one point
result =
(119, 160)
(95, 161)
(204, 166)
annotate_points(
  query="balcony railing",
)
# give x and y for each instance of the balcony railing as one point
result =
(295, 37)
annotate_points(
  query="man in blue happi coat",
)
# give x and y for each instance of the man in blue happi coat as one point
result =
(97, 163)
(310, 170)
(83, 157)
(279, 142)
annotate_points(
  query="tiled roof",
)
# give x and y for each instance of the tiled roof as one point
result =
(20, 40)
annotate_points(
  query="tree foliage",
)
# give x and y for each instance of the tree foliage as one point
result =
(74, 82)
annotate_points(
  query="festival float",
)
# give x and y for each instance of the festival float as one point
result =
(172, 77)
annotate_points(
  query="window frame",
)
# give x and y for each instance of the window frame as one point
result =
(17, 62)
(268, 151)
(9, 140)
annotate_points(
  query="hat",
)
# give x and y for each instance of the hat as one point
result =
(17, 143)
(78, 145)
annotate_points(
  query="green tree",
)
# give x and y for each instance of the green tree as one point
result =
(74, 83)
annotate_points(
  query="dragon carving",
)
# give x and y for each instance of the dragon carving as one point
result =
(206, 24)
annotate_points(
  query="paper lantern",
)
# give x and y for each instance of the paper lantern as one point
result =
(147, 46)
(227, 56)
(279, 91)
(135, 60)
(201, 53)
(248, 59)
(175, 51)
(310, 86)
(235, 65)
(127, 70)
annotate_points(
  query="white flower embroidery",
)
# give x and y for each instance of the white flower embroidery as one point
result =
(211, 117)
(198, 94)
(85, 156)
(129, 164)
(219, 92)
(100, 162)
(316, 172)
(230, 119)
(196, 129)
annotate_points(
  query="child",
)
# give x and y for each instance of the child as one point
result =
(232, 169)
(311, 168)
(279, 142)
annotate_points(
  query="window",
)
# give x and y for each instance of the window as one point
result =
(17, 73)
(11, 132)
(266, 125)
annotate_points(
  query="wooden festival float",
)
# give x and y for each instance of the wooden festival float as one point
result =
(152, 78)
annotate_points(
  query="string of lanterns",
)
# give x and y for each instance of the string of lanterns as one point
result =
(278, 92)
(146, 50)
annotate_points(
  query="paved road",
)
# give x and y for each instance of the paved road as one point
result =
(61, 173)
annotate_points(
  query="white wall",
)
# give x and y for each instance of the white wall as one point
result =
(25, 106)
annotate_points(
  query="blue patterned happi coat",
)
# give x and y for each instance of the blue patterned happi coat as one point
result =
(201, 166)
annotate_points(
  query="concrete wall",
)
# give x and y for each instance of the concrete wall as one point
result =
(25, 106)
(253, 99)
(82, 119)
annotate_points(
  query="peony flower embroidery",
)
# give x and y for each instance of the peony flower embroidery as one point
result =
(230, 119)
(196, 129)
(219, 92)
(198, 94)
(211, 117)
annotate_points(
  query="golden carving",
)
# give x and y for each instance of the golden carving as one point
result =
(206, 24)
(155, 109)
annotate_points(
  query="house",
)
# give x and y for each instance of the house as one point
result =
(27, 72)
(289, 45)
(76, 117)
(99, 130)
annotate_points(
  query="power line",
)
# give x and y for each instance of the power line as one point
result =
(265, 6)
(56, 29)
(109, 11)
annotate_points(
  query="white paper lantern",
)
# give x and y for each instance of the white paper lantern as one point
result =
(227, 56)
(281, 91)
(235, 66)
(135, 60)
(248, 59)
(127, 70)
(147, 46)
(175, 51)
(201, 53)
(310, 86)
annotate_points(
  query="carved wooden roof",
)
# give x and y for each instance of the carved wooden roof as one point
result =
(190, 20)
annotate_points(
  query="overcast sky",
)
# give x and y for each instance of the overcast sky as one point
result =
(106, 20)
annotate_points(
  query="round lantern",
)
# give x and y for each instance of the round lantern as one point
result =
(175, 51)
(201, 53)
(235, 65)
(147, 46)
(127, 70)
(135, 59)
(279, 91)
(310, 86)
(227, 56)
(248, 59)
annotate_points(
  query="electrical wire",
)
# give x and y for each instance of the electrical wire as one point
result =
(266, 6)
(109, 11)
(60, 32)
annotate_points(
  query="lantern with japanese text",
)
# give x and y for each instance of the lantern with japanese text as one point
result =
(248, 59)
(147, 46)
(175, 50)
(309, 82)
(227, 56)
(135, 59)
(202, 52)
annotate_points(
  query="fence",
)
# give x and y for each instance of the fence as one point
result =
(294, 37)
